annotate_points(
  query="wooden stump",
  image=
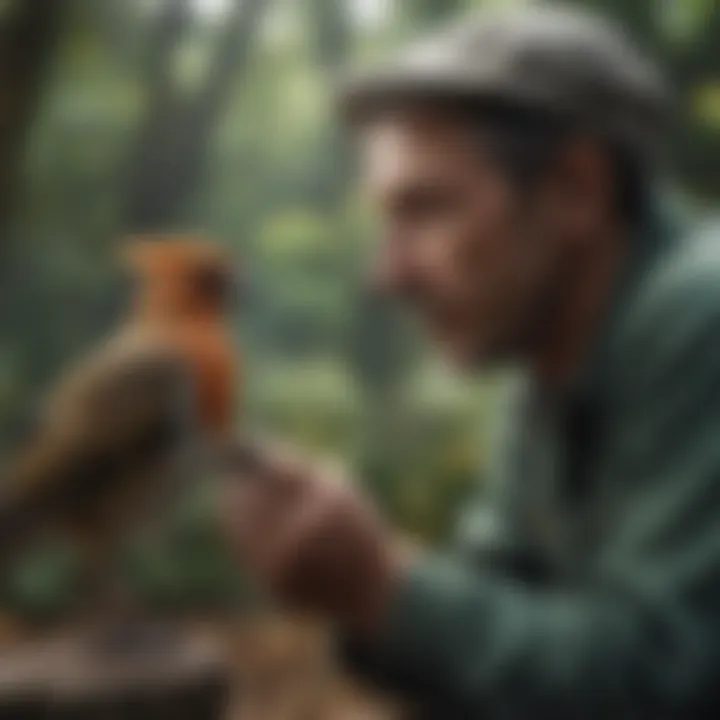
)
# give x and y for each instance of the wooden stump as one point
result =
(64, 679)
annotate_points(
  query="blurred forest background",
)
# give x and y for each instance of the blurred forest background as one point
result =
(214, 116)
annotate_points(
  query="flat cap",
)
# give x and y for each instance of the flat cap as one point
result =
(550, 58)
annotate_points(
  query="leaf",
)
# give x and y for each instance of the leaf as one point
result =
(706, 103)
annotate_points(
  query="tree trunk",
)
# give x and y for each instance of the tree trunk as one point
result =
(432, 13)
(377, 347)
(331, 33)
(168, 162)
(29, 32)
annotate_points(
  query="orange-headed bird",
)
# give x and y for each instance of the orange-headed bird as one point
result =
(121, 429)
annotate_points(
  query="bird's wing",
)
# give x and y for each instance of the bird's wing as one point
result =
(126, 406)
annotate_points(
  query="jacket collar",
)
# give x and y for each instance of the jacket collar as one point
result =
(662, 225)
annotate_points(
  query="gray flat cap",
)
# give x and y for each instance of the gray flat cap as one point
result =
(547, 57)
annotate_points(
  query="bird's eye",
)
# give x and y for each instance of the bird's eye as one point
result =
(216, 284)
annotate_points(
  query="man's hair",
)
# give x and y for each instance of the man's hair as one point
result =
(526, 142)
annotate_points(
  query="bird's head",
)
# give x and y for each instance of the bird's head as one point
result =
(181, 275)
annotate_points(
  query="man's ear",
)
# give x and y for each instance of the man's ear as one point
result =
(583, 174)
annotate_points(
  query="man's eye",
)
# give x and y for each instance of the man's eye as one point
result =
(425, 204)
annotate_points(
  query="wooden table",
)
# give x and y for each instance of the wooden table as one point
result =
(65, 678)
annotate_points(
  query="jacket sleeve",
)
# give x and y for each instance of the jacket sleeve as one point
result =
(641, 639)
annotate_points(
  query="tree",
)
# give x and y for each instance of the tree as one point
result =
(692, 62)
(167, 165)
(377, 349)
(29, 33)
(331, 34)
(430, 13)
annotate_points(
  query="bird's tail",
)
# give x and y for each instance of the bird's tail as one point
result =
(23, 511)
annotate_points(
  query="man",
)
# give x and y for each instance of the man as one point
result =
(512, 160)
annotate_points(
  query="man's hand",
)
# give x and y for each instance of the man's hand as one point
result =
(312, 540)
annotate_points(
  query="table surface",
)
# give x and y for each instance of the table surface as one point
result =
(69, 672)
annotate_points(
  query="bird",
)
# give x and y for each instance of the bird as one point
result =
(122, 428)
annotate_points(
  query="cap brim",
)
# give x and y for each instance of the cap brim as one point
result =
(360, 98)
(363, 98)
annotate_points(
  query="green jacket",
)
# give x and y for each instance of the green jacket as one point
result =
(587, 584)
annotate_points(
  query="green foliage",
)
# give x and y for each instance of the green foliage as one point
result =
(43, 585)
(329, 365)
(189, 568)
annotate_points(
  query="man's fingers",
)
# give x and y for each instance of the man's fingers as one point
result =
(285, 512)
(287, 541)
(256, 505)
(250, 511)
(239, 506)
(257, 457)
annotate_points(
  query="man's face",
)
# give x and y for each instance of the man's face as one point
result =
(475, 260)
